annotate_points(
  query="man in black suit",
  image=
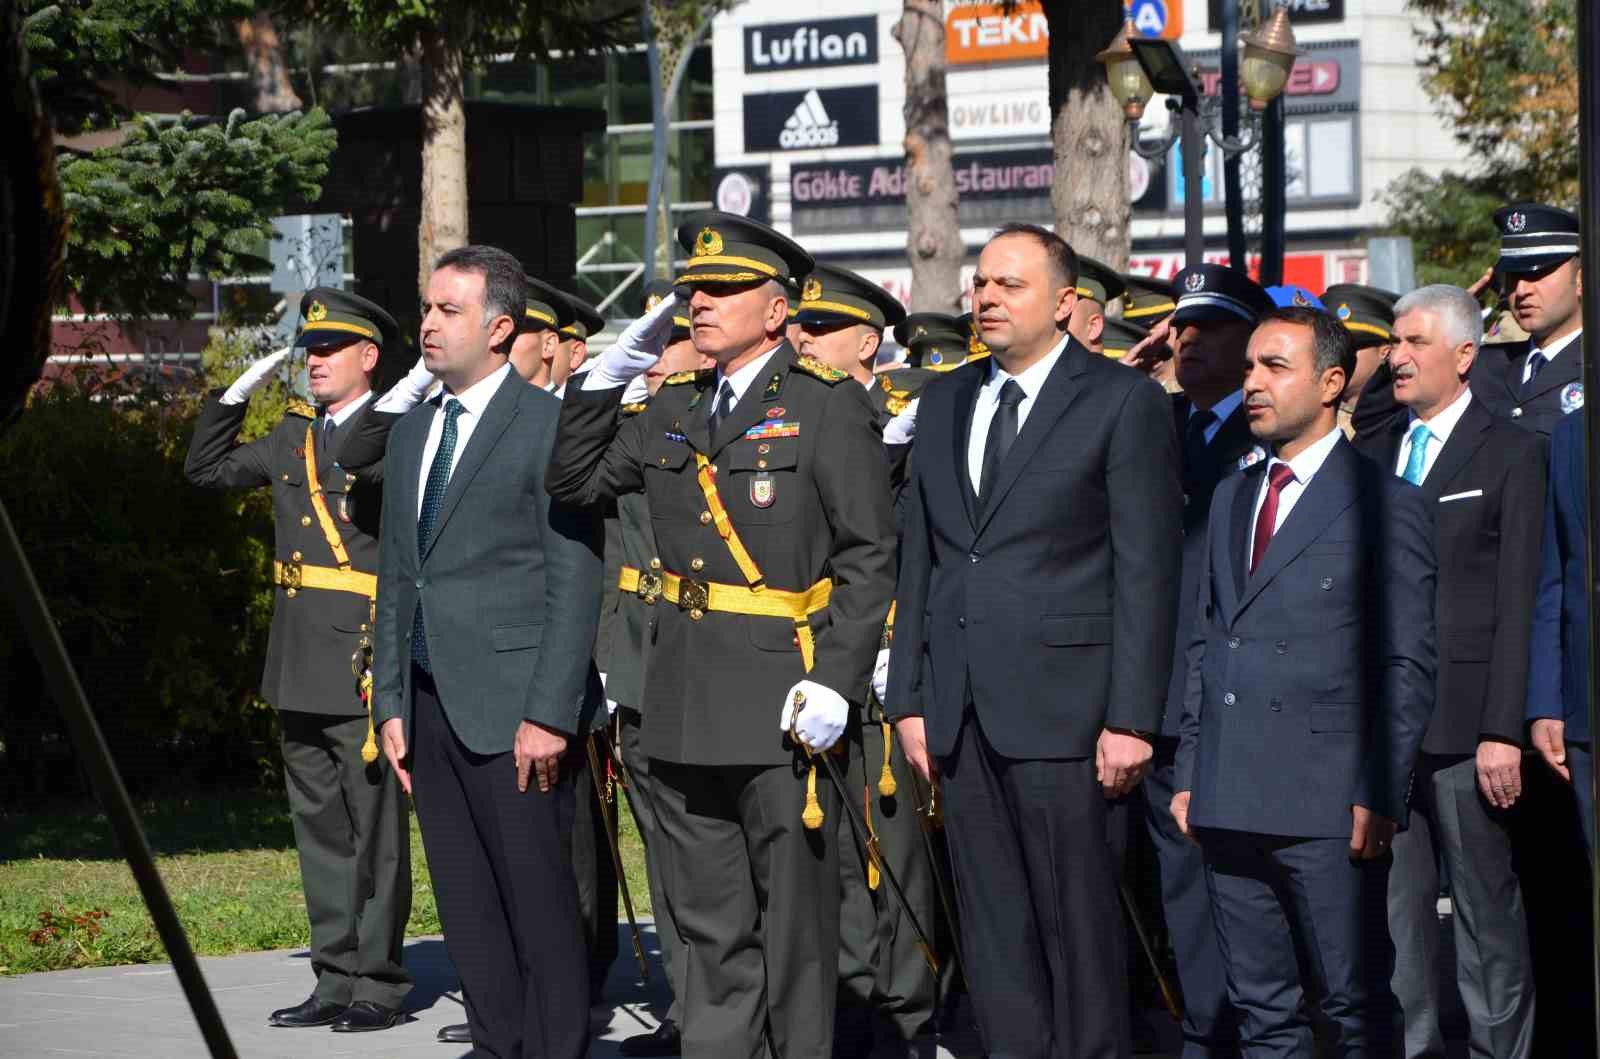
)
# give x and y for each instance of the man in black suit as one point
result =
(1212, 325)
(1310, 681)
(488, 602)
(1484, 478)
(1040, 563)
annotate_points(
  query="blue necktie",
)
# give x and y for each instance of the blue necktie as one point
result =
(1416, 461)
(432, 497)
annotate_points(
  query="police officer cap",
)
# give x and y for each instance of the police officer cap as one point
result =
(1288, 296)
(1534, 237)
(1217, 294)
(1146, 299)
(657, 291)
(1366, 312)
(586, 320)
(727, 248)
(1120, 336)
(833, 295)
(330, 318)
(933, 340)
(547, 308)
(1097, 282)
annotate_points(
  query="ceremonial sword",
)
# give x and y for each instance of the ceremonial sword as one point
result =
(616, 857)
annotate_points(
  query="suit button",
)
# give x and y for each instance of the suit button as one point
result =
(973, 556)
(961, 622)
(1233, 643)
(1277, 705)
(1327, 583)
(1282, 647)
(1228, 699)
(420, 582)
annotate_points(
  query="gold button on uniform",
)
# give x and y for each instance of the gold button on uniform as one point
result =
(663, 461)
(655, 564)
(705, 518)
(761, 465)
(696, 614)
(763, 448)
(289, 592)
(295, 556)
(305, 520)
(697, 564)
(286, 476)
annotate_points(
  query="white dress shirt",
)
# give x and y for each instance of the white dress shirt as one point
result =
(474, 399)
(342, 416)
(739, 380)
(1550, 353)
(1439, 428)
(1304, 467)
(1221, 410)
(1031, 381)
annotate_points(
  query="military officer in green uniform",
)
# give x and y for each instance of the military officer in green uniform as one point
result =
(1120, 336)
(936, 342)
(585, 324)
(1146, 300)
(350, 819)
(1368, 314)
(537, 347)
(1098, 286)
(769, 498)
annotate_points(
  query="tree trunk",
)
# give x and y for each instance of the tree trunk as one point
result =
(264, 52)
(1089, 139)
(933, 227)
(443, 224)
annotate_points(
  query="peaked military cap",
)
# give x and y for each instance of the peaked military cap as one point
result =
(1534, 237)
(1120, 336)
(1098, 282)
(727, 248)
(833, 295)
(586, 320)
(791, 287)
(1146, 299)
(547, 307)
(330, 317)
(659, 290)
(933, 340)
(1366, 312)
(1216, 293)
(1288, 296)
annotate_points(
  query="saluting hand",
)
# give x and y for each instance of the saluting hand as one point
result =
(393, 734)
(1370, 834)
(1120, 761)
(1151, 350)
(538, 750)
(1550, 740)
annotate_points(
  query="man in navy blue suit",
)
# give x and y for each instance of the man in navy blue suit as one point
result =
(1311, 680)
(1558, 666)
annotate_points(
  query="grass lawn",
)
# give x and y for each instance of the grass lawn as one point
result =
(68, 900)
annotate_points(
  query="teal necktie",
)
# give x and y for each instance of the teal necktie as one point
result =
(1420, 435)
(432, 497)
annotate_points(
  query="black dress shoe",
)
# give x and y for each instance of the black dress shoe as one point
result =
(364, 1016)
(665, 1040)
(311, 1012)
(460, 1033)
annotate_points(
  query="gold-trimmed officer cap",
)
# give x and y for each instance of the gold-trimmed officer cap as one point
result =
(976, 346)
(1366, 312)
(834, 295)
(586, 320)
(659, 290)
(547, 307)
(1098, 282)
(1534, 237)
(935, 341)
(1120, 336)
(330, 317)
(1146, 299)
(728, 248)
(791, 289)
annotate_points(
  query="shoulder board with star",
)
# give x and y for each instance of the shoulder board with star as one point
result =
(633, 408)
(681, 377)
(814, 367)
(300, 408)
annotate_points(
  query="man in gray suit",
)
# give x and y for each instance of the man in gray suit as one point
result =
(488, 601)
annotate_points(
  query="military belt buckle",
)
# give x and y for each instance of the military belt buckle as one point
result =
(693, 596)
(292, 578)
(650, 587)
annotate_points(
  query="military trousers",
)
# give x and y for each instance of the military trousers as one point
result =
(352, 831)
(642, 784)
(757, 899)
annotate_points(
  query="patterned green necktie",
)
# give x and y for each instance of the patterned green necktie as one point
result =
(432, 497)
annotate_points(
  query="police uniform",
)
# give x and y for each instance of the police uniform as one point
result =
(885, 986)
(349, 816)
(775, 564)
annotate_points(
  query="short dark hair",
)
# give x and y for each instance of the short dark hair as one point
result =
(505, 287)
(1332, 345)
(1062, 257)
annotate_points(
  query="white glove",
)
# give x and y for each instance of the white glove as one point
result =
(902, 429)
(638, 347)
(255, 376)
(822, 714)
(408, 392)
(611, 704)
(638, 390)
(880, 675)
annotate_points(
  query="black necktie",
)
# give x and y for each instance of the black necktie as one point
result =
(1194, 436)
(1002, 432)
(1536, 362)
(723, 407)
(328, 428)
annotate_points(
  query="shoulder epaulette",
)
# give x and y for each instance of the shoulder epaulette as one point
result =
(633, 408)
(896, 403)
(300, 408)
(812, 366)
(681, 377)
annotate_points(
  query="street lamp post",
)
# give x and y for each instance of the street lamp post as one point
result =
(1137, 67)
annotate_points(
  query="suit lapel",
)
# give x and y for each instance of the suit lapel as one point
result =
(751, 408)
(410, 439)
(502, 408)
(1240, 526)
(1332, 489)
(1060, 388)
(1465, 440)
(966, 398)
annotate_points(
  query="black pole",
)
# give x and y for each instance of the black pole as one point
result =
(1232, 190)
(1273, 180)
(1589, 174)
(62, 679)
(1192, 141)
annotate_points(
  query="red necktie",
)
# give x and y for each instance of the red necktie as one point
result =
(1279, 476)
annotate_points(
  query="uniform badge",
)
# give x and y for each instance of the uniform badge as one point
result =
(812, 291)
(299, 453)
(772, 428)
(316, 312)
(674, 436)
(1195, 283)
(1343, 312)
(936, 357)
(762, 492)
(1253, 457)
(1571, 398)
(651, 302)
(1301, 300)
(1516, 221)
(708, 243)
(774, 384)
(776, 412)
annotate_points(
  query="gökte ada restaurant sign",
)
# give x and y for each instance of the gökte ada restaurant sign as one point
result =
(840, 196)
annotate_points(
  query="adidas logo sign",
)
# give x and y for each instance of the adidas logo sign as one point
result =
(809, 125)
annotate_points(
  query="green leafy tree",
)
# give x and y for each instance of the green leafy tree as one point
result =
(1504, 75)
